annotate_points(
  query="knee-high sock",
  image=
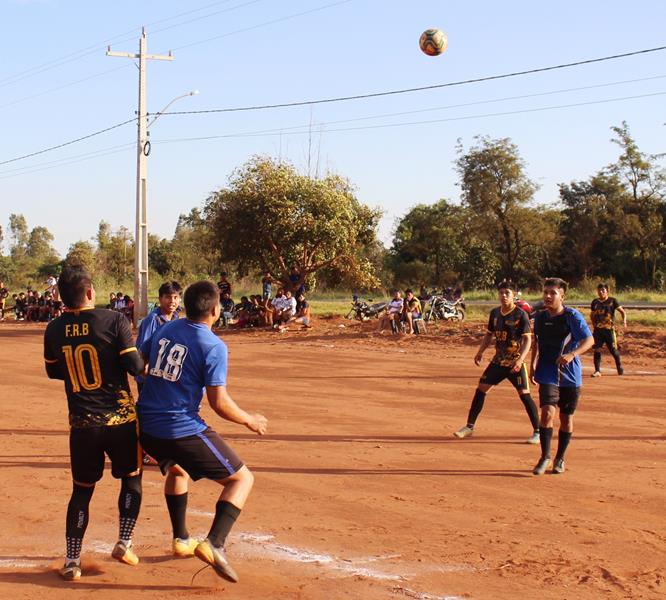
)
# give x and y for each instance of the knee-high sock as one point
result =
(476, 408)
(129, 503)
(531, 409)
(563, 439)
(225, 517)
(177, 505)
(615, 353)
(597, 360)
(77, 519)
(545, 436)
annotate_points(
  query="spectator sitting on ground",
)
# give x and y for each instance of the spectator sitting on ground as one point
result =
(227, 306)
(279, 306)
(411, 310)
(302, 312)
(266, 311)
(20, 306)
(247, 316)
(128, 309)
(112, 301)
(119, 304)
(393, 312)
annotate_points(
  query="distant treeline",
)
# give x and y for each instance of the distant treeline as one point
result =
(272, 218)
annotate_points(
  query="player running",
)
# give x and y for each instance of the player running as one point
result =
(510, 326)
(92, 351)
(562, 335)
(603, 323)
(185, 359)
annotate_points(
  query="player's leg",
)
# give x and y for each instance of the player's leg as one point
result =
(486, 381)
(548, 400)
(176, 487)
(615, 351)
(598, 345)
(122, 447)
(567, 404)
(207, 455)
(521, 382)
(87, 464)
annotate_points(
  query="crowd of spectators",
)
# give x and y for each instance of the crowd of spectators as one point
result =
(121, 303)
(30, 305)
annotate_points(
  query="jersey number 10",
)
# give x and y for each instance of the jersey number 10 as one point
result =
(169, 367)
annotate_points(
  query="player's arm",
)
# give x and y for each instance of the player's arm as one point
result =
(525, 346)
(53, 370)
(130, 359)
(485, 342)
(623, 312)
(223, 404)
(582, 348)
(580, 333)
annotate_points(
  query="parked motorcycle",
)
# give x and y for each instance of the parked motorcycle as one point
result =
(363, 310)
(440, 307)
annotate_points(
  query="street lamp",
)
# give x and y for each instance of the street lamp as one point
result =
(141, 241)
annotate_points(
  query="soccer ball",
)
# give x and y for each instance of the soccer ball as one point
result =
(433, 42)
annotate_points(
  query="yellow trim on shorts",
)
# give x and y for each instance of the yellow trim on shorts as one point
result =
(46, 360)
(126, 350)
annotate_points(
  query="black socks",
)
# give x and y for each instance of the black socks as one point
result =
(545, 437)
(476, 408)
(531, 409)
(129, 503)
(177, 506)
(225, 517)
(563, 439)
(77, 519)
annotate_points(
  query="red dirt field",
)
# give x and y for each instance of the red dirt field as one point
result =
(361, 491)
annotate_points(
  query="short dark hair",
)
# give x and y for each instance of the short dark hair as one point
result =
(169, 287)
(408, 291)
(200, 298)
(602, 286)
(556, 282)
(507, 284)
(74, 282)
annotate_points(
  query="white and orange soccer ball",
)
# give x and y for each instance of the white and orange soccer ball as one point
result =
(433, 42)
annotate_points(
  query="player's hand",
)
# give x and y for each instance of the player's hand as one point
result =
(477, 358)
(534, 381)
(517, 366)
(565, 359)
(257, 423)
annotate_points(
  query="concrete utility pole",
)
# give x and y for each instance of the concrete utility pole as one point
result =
(142, 152)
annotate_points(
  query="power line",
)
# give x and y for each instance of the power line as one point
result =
(120, 38)
(356, 97)
(69, 143)
(18, 170)
(416, 89)
(306, 128)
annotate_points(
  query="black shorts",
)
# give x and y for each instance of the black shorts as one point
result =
(495, 374)
(605, 336)
(203, 455)
(565, 398)
(88, 445)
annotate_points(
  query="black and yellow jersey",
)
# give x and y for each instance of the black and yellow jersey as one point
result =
(508, 330)
(92, 351)
(603, 313)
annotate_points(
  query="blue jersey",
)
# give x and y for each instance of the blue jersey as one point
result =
(153, 321)
(556, 336)
(185, 357)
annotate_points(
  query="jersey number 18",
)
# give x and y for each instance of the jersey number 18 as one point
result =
(169, 367)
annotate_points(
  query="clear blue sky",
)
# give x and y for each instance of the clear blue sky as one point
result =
(263, 53)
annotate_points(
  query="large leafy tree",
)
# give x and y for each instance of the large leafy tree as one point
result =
(272, 218)
(497, 190)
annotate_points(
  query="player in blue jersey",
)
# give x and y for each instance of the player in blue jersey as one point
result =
(165, 311)
(185, 360)
(562, 335)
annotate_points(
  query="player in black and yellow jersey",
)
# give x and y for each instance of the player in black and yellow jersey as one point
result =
(509, 326)
(92, 351)
(603, 323)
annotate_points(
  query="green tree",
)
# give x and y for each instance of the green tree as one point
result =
(495, 187)
(645, 184)
(18, 231)
(82, 253)
(272, 218)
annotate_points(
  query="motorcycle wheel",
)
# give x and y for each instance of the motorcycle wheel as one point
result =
(460, 314)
